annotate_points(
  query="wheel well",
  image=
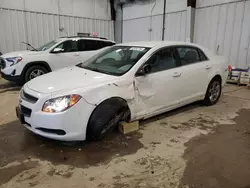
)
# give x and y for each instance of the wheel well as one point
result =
(214, 78)
(116, 101)
(217, 77)
(119, 101)
(40, 63)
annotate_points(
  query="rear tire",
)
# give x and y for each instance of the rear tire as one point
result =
(106, 118)
(33, 72)
(213, 92)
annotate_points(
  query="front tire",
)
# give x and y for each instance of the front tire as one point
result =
(213, 92)
(33, 72)
(106, 118)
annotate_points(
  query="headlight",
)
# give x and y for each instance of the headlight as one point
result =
(14, 60)
(60, 104)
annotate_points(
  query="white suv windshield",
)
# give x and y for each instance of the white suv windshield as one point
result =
(116, 60)
(47, 45)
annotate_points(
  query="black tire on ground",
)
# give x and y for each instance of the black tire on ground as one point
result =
(213, 92)
(106, 118)
(33, 69)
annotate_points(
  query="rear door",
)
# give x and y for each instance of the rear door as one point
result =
(194, 74)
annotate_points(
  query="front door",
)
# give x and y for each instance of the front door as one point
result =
(156, 91)
(64, 55)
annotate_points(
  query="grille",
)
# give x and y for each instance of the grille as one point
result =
(26, 111)
(2, 63)
(27, 97)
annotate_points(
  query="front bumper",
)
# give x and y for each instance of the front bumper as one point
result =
(11, 78)
(12, 73)
(70, 125)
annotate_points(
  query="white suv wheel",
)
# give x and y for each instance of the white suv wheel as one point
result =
(35, 73)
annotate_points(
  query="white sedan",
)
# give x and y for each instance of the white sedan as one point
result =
(125, 82)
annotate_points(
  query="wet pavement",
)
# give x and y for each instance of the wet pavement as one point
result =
(220, 158)
(18, 144)
(194, 146)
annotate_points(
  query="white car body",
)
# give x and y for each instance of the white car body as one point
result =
(45, 57)
(146, 96)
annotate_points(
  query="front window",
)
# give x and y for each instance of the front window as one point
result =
(47, 45)
(116, 60)
(162, 60)
(68, 46)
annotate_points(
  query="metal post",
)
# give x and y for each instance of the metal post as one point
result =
(163, 21)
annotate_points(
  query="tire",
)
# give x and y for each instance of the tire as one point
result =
(30, 72)
(213, 92)
(106, 118)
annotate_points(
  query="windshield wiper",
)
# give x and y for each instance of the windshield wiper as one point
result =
(29, 45)
(95, 69)
(100, 70)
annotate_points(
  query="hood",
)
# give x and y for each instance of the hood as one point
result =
(19, 53)
(67, 79)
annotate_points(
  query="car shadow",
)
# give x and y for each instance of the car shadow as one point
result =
(19, 144)
(9, 86)
(187, 109)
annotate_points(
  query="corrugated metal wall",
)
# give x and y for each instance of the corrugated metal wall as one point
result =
(38, 28)
(148, 28)
(225, 28)
(144, 21)
(175, 26)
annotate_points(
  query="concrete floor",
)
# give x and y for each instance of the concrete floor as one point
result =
(194, 146)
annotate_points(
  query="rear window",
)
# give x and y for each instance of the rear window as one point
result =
(190, 55)
(103, 44)
(90, 45)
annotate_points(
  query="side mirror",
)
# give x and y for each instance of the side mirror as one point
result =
(57, 50)
(146, 69)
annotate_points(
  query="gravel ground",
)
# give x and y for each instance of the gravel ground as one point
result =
(194, 146)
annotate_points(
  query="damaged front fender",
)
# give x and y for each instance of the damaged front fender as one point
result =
(121, 89)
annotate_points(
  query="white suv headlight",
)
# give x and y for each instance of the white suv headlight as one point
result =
(14, 60)
(60, 104)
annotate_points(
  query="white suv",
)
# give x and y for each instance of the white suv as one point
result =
(23, 66)
(125, 82)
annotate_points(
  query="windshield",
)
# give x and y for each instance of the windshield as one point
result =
(116, 60)
(47, 45)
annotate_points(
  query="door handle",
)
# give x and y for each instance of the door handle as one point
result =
(208, 66)
(76, 55)
(176, 74)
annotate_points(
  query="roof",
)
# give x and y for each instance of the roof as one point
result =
(91, 38)
(151, 44)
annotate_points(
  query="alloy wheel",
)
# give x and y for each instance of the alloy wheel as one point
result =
(35, 73)
(214, 91)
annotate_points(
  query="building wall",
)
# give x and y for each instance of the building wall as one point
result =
(224, 27)
(206, 3)
(98, 9)
(144, 21)
(220, 25)
(37, 21)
